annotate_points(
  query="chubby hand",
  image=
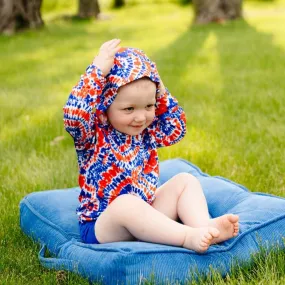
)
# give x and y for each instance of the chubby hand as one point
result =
(105, 58)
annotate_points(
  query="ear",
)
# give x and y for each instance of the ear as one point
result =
(103, 118)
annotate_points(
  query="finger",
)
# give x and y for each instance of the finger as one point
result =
(113, 45)
(112, 42)
(115, 42)
(114, 51)
(107, 44)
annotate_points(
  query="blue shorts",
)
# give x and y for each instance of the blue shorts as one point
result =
(87, 232)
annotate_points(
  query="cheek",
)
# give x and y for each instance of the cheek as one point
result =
(150, 116)
(120, 119)
(125, 119)
(112, 116)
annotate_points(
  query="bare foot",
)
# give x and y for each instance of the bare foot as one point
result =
(227, 225)
(199, 239)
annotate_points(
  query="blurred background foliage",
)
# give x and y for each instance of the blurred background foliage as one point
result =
(16, 15)
(49, 5)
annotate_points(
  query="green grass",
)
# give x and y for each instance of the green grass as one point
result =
(229, 79)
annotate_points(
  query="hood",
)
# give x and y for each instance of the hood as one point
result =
(129, 64)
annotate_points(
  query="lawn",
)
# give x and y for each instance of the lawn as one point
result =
(229, 79)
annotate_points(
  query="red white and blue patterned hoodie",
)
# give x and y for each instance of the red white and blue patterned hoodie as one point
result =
(112, 163)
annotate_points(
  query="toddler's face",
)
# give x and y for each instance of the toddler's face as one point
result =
(133, 109)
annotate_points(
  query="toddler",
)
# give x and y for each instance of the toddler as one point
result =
(119, 114)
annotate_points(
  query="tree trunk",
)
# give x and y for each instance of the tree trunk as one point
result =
(88, 9)
(19, 14)
(119, 3)
(216, 10)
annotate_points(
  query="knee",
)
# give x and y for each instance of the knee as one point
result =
(186, 178)
(126, 203)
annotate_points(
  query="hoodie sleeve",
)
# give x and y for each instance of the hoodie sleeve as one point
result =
(170, 122)
(79, 115)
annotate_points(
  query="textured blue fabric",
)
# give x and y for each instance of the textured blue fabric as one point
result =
(49, 217)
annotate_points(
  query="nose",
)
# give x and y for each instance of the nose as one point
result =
(140, 117)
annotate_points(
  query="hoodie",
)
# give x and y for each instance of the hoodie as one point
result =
(112, 163)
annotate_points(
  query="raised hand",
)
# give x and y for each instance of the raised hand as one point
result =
(105, 58)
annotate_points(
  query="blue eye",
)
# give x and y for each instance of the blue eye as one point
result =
(129, 109)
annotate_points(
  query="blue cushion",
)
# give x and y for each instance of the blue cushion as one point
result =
(49, 217)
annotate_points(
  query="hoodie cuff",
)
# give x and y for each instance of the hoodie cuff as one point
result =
(96, 74)
(162, 102)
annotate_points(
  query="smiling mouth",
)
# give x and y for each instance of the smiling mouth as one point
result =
(137, 126)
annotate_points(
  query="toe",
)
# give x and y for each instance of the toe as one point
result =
(206, 240)
(233, 218)
(214, 232)
(208, 236)
(202, 250)
(204, 244)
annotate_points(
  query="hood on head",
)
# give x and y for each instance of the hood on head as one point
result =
(129, 64)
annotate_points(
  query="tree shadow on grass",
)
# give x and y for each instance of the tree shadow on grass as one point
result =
(251, 104)
(210, 109)
(233, 108)
(174, 60)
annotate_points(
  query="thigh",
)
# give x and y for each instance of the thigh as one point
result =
(108, 227)
(168, 195)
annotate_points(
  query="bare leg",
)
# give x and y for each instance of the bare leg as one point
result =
(183, 197)
(129, 216)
